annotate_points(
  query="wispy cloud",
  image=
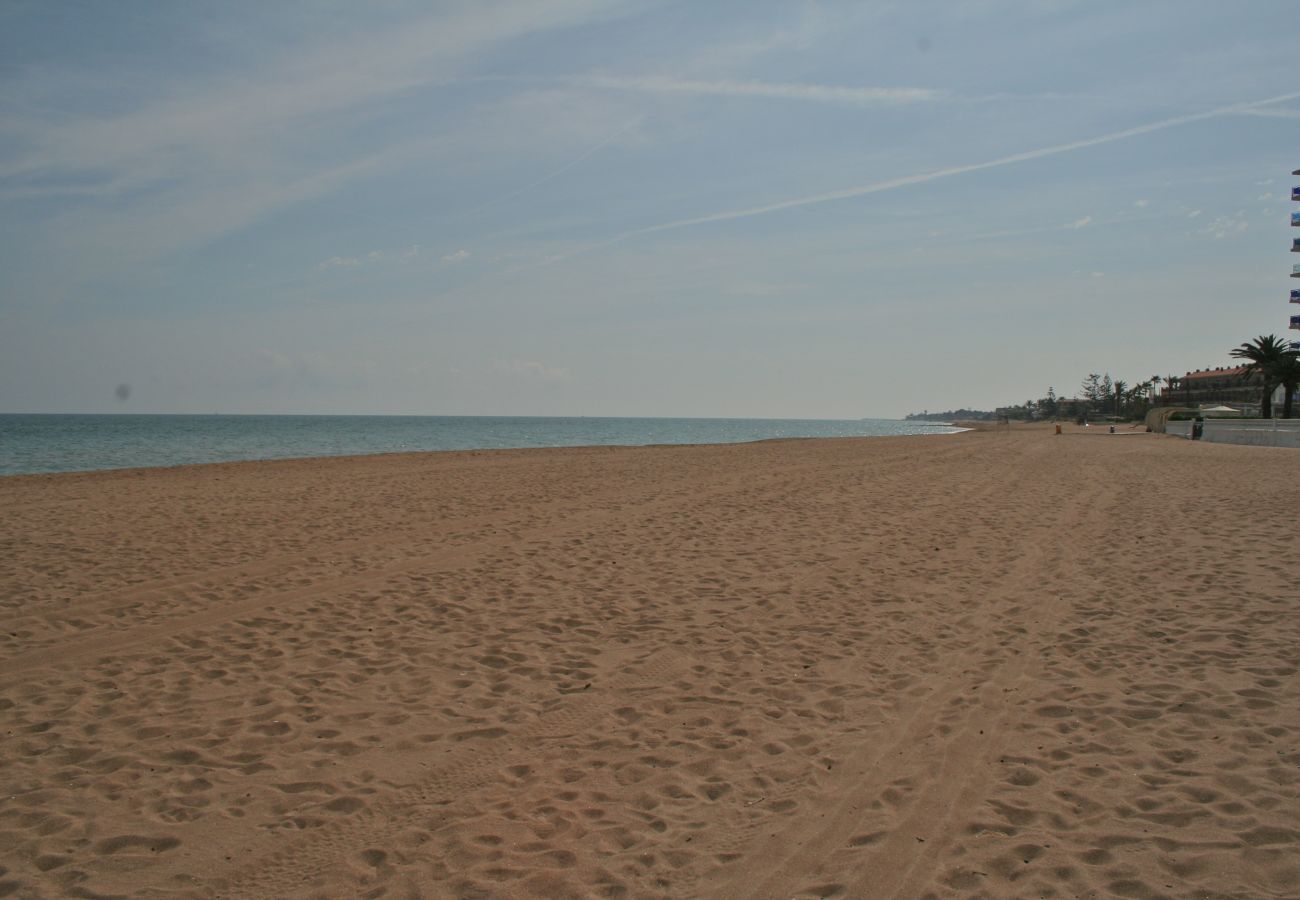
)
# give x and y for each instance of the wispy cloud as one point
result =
(388, 257)
(218, 154)
(201, 209)
(528, 368)
(817, 93)
(1122, 218)
(1226, 226)
(555, 173)
(340, 262)
(767, 288)
(213, 122)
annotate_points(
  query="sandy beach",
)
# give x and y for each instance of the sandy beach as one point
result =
(989, 664)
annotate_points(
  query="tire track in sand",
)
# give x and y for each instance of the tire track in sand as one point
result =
(894, 858)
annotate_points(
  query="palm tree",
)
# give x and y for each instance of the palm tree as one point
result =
(1264, 357)
(1171, 384)
(1120, 387)
(1288, 375)
(1140, 396)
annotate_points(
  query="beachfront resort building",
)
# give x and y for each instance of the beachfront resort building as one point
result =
(1295, 269)
(1216, 387)
(1221, 386)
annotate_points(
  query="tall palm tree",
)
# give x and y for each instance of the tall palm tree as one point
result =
(1288, 375)
(1264, 357)
(1119, 387)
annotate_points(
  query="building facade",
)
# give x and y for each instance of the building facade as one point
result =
(1209, 387)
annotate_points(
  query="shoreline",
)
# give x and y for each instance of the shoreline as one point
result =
(823, 666)
(478, 450)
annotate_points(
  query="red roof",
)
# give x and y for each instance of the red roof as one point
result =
(1217, 373)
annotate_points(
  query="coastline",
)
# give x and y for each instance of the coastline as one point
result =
(1010, 663)
(37, 444)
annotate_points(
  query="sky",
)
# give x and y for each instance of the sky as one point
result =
(606, 208)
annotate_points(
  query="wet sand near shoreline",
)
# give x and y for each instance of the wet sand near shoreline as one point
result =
(988, 664)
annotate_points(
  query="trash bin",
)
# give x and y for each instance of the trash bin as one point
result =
(1198, 427)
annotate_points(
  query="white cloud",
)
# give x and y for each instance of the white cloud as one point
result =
(1079, 223)
(1141, 204)
(340, 262)
(1226, 226)
(458, 256)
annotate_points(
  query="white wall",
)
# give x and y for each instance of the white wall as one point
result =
(1261, 432)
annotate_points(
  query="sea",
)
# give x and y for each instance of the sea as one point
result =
(33, 443)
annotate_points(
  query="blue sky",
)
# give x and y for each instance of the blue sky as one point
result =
(572, 207)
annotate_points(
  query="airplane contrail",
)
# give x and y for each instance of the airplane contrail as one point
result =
(1273, 113)
(906, 180)
(921, 178)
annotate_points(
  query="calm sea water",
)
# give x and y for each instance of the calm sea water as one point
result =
(65, 443)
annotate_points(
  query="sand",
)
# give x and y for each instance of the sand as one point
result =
(989, 664)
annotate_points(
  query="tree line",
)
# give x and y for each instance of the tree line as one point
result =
(1268, 361)
(1098, 395)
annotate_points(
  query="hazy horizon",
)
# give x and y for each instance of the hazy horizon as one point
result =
(630, 209)
(346, 415)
